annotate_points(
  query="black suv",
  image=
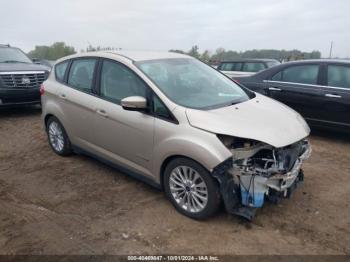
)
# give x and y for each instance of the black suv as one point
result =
(20, 78)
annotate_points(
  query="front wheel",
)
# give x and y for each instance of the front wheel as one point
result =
(191, 188)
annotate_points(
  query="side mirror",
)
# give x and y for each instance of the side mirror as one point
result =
(134, 103)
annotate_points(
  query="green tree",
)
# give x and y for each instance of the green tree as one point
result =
(205, 56)
(194, 52)
(177, 51)
(53, 52)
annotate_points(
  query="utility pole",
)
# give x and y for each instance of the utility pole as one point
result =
(331, 49)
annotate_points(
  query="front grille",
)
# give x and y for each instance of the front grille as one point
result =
(22, 79)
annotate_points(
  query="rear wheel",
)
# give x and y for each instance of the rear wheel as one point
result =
(58, 138)
(191, 188)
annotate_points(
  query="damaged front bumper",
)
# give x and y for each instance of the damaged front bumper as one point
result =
(258, 173)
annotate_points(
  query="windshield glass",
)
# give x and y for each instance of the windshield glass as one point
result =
(193, 84)
(12, 55)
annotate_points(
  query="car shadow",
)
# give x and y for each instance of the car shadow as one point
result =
(21, 111)
(331, 134)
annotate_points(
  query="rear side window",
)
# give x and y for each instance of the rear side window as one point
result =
(226, 67)
(60, 70)
(339, 76)
(118, 82)
(81, 74)
(306, 74)
(253, 67)
(236, 66)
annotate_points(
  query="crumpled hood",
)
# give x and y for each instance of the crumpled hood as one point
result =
(261, 118)
(12, 67)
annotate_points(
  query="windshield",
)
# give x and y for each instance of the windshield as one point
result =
(193, 84)
(13, 55)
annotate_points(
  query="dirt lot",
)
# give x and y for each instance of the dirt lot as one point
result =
(76, 205)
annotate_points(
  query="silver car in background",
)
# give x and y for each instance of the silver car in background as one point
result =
(245, 67)
(178, 124)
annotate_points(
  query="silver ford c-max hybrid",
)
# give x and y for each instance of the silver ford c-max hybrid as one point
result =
(178, 124)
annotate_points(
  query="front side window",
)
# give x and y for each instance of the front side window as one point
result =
(81, 74)
(253, 67)
(339, 76)
(193, 84)
(118, 82)
(60, 70)
(305, 74)
(277, 77)
(159, 108)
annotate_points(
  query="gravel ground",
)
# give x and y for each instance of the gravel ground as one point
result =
(76, 205)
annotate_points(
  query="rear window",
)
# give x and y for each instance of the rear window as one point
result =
(60, 70)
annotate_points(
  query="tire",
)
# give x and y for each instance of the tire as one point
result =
(193, 205)
(57, 136)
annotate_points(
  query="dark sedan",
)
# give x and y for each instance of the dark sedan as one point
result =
(318, 89)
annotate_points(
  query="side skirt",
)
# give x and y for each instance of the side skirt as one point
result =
(120, 168)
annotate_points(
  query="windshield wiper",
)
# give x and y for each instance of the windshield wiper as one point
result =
(13, 61)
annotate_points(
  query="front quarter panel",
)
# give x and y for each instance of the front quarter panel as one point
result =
(184, 140)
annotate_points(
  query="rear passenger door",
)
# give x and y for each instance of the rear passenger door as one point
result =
(337, 94)
(77, 97)
(298, 87)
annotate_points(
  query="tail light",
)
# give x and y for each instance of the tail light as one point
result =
(42, 89)
(235, 80)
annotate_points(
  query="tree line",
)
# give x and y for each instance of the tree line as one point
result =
(221, 54)
(60, 49)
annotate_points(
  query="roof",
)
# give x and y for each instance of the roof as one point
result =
(128, 55)
(319, 61)
(148, 55)
(250, 60)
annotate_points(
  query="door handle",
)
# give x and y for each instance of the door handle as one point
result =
(274, 89)
(332, 96)
(101, 112)
(63, 96)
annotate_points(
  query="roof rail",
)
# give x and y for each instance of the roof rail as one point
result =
(7, 45)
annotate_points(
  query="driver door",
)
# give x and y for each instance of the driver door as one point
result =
(124, 137)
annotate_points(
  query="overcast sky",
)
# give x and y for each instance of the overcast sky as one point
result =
(178, 24)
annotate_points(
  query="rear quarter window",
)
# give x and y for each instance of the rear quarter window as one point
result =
(60, 70)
